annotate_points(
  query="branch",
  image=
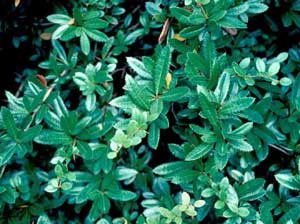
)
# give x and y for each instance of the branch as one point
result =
(47, 94)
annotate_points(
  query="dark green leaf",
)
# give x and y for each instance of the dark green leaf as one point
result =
(175, 94)
(199, 151)
(50, 137)
(121, 195)
(161, 69)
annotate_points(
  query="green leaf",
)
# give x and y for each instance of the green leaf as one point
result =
(123, 102)
(90, 102)
(166, 213)
(66, 186)
(243, 211)
(237, 10)
(296, 93)
(177, 151)
(85, 43)
(9, 123)
(138, 67)
(241, 145)
(153, 8)
(190, 32)
(199, 152)
(183, 176)
(96, 35)
(260, 65)
(60, 50)
(236, 105)
(232, 22)
(279, 58)
(207, 193)
(243, 129)
(288, 181)
(50, 137)
(245, 63)
(175, 94)
(140, 96)
(85, 150)
(217, 15)
(121, 195)
(43, 219)
(208, 110)
(161, 69)
(31, 133)
(60, 31)
(223, 87)
(100, 205)
(257, 8)
(59, 19)
(209, 52)
(103, 203)
(124, 173)
(131, 37)
(252, 190)
(156, 107)
(7, 152)
(154, 135)
(172, 167)
(181, 14)
(95, 23)
(285, 81)
(274, 68)
(103, 221)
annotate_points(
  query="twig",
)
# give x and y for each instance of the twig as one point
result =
(136, 9)
(47, 94)
(95, 49)
(134, 27)
(279, 149)
(203, 11)
(20, 89)
(73, 147)
(2, 171)
(123, 70)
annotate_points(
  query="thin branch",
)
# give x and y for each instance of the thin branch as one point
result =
(203, 11)
(279, 149)
(47, 94)
(20, 89)
(2, 171)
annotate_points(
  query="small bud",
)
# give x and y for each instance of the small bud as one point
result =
(231, 31)
(71, 22)
(42, 80)
(17, 3)
(168, 80)
(178, 37)
(46, 36)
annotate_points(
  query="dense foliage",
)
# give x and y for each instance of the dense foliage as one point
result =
(164, 111)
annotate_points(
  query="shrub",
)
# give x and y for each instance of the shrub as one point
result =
(157, 112)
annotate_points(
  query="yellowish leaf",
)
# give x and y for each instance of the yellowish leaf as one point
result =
(178, 37)
(17, 3)
(168, 80)
(45, 36)
(71, 22)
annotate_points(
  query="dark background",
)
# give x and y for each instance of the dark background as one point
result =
(27, 18)
(23, 21)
